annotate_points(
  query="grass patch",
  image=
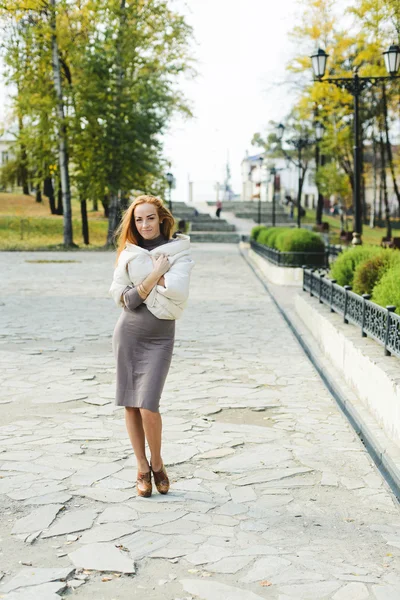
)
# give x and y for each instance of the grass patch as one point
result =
(28, 225)
(29, 233)
(370, 236)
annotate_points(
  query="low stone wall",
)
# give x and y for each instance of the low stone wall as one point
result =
(277, 275)
(374, 378)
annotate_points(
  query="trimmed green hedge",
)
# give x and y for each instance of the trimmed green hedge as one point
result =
(369, 272)
(387, 291)
(299, 240)
(288, 240)
(346, 263)
(255, 232)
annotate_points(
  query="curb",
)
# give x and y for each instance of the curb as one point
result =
(387, 467)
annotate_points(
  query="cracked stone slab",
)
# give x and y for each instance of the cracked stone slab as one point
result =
(21, 455)
(114, 514)
(31, 576)
(45, 591)
(173, 551)
(39, 519)
(208, 554)
(329, 479)
(104, 495)
(264, 568)
(386, 592)
(58, 398)
(352, 591)
(231, 564)
(95, 473)
(102, 557)
(266, 454)
(213, 590)
(107, 532)
(271, 475)
(55, 497)
(72, 521)
(143, 543)
(217, 453)
(305, 591)
(244, 494)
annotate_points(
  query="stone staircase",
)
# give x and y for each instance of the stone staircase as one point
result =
(249, 210)
(204, 228)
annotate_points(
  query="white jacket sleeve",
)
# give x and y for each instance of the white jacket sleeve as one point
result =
(177, 280)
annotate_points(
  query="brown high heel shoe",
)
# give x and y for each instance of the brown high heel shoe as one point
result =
(143, 484)
(161, 480)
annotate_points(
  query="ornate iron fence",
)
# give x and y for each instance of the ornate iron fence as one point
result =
(291, 259)
(333, 251)
(381, 324)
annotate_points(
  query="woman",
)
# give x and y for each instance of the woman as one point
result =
(151, 283)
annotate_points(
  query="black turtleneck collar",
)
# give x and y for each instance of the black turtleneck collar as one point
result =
(151, 244)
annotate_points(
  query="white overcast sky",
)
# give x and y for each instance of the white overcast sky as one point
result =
(242, 48)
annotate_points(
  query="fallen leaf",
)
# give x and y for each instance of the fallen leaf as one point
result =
(106, 578)
(265, 583)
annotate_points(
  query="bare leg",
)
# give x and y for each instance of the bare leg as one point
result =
(134, 426)
(152, 426)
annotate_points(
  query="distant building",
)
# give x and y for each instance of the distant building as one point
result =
(256, 180)
(5, 150)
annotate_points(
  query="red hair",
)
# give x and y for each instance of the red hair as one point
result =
(127, 231)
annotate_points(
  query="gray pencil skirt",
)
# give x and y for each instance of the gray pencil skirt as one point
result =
(142, 346)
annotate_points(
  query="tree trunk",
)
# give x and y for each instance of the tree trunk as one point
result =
(364, 216)
(23, 170)
(62, 132)
(389, 145)
(95, 205)
(106, 203)
(59, 200)
(48, 191)
(384, 188)
(320, 202)
(113, 213)
(375, 178)
(38, 194)
(85, 224)
(114, 207)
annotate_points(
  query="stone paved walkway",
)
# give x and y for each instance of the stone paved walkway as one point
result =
(273, 496)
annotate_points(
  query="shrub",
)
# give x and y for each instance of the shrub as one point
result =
(387, 291)
(369, 272)
(255, 232)
(299, 240)
(270, 236)
(346, 263)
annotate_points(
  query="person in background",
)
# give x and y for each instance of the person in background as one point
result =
(219, 208)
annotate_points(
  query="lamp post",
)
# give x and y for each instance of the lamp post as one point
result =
(299, 144)
(260, 163)
(273, 172)
(319, 134)
(170, 181)
(355, 86)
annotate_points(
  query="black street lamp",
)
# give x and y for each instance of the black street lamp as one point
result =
(355, 86)
(273, 172)
(260, 163)
(170, 181)
(319, 161)
(299, 144)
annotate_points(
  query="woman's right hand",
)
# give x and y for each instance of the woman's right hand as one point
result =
(161, 265)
